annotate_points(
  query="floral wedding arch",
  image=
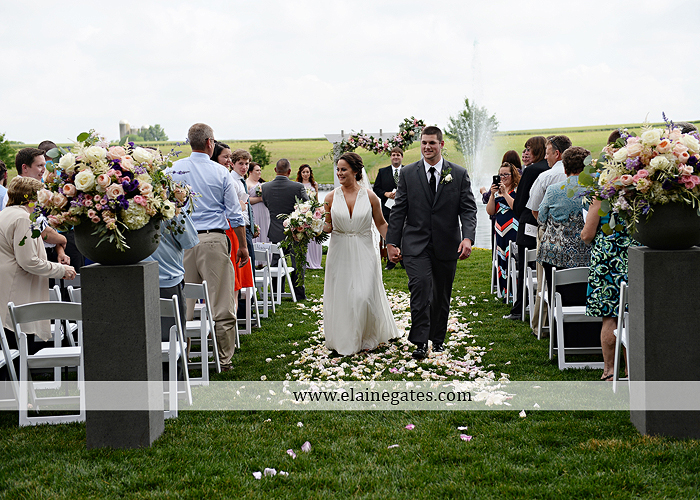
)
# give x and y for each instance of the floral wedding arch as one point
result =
(409, 131)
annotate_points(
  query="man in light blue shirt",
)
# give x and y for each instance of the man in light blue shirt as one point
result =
(216, 207)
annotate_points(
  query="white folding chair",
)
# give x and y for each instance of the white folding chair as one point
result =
(9, 394)
(251, 303)
(622, 336)
(49, 357)
(529, 285)
(512, 270)
(495, 288)
(201, 331)
(263, 280)
(544, 295)
(282, 271)
(564, 315)
(173, 350)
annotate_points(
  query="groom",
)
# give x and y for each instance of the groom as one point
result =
(433, 197)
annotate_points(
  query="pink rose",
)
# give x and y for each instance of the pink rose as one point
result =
(145, 188)
(59, 200)
(92, 214)
(634, 149)
(664, 146)
(140, 200)
(683, 157)
(69, 190)
(44, 197)
(127, 163)
(104, 180)
(695, 179)
(116, 152)
(87, 203)
(643, 173)
(115, 190)
(632, 140)
(95, 219)
(626, 180)
(180, 194)
(54, 220)
(679, 148)
(685, 170)
(674, 134)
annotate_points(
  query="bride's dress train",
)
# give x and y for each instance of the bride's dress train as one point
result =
(356, 312)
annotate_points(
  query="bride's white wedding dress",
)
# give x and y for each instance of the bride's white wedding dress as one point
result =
(356, 312)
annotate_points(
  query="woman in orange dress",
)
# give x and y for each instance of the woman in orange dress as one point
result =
(244, 276)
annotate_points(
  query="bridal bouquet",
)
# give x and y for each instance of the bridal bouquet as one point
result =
(636, 173)
(117, 188)
(303, 225)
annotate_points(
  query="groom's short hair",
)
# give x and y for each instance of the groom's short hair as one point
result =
(432, 130)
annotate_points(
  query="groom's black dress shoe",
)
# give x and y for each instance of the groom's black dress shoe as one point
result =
(438, 347)
(421, 351)
(390, 265)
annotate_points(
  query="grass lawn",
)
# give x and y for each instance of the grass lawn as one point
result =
(213, 454)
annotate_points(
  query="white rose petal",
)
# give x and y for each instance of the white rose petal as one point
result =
(257, 475)
(523, 414)
(95, 153)
(651, 137)
(270, 472)
(67, 162)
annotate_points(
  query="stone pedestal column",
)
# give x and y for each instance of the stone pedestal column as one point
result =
(121, 339)
(664, 306)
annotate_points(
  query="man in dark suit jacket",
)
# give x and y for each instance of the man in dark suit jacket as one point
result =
(527, 224)
(433, 197)
(279, 196)
(385, 186)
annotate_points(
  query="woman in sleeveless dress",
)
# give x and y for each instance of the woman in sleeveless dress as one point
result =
(260, 212)
(314, 254)
(356, 312)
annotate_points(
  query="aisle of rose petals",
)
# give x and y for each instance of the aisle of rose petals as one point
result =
(462, 359)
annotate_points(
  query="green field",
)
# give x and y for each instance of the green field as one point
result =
(315, 152)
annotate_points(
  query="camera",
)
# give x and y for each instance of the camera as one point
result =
(497, 180)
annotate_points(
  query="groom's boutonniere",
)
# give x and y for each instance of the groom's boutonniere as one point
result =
(446, 176)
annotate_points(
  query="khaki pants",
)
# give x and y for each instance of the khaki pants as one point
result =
(210, 260)
(540, 284)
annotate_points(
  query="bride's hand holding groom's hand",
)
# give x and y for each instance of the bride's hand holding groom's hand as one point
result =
(393, 253)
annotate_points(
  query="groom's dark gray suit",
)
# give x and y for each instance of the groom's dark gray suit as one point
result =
(427, 230)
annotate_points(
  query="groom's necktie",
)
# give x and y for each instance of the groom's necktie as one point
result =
(432, 182)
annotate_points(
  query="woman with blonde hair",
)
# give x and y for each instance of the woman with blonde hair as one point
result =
(24, 269)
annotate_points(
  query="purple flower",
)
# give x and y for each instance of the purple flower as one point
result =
(122, 202)
(129, 186)
(692, 161)
(668, 185)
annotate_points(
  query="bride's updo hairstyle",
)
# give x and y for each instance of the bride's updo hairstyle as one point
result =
(355, 162)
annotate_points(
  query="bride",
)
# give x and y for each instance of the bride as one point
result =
(356, 312)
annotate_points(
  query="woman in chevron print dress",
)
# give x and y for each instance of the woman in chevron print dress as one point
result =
(500, 204)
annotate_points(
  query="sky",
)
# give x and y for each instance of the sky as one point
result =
(273, 69)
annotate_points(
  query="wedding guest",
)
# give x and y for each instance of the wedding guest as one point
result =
(314, 254)
(279, 196)
(500, 207)
(607, 270)
(385, 187)
(3, 184)
(24, 268)
(526, 158)
(242, 276)
(535, 148)
(511, 156)
(216, 209)
(260, 212)
(561, 216)
(30, 162)
(241, 159)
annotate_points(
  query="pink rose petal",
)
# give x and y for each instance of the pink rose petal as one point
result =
(392, 446)
(465, 437)
(410, 427)
(291, 453)
(306, 447)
